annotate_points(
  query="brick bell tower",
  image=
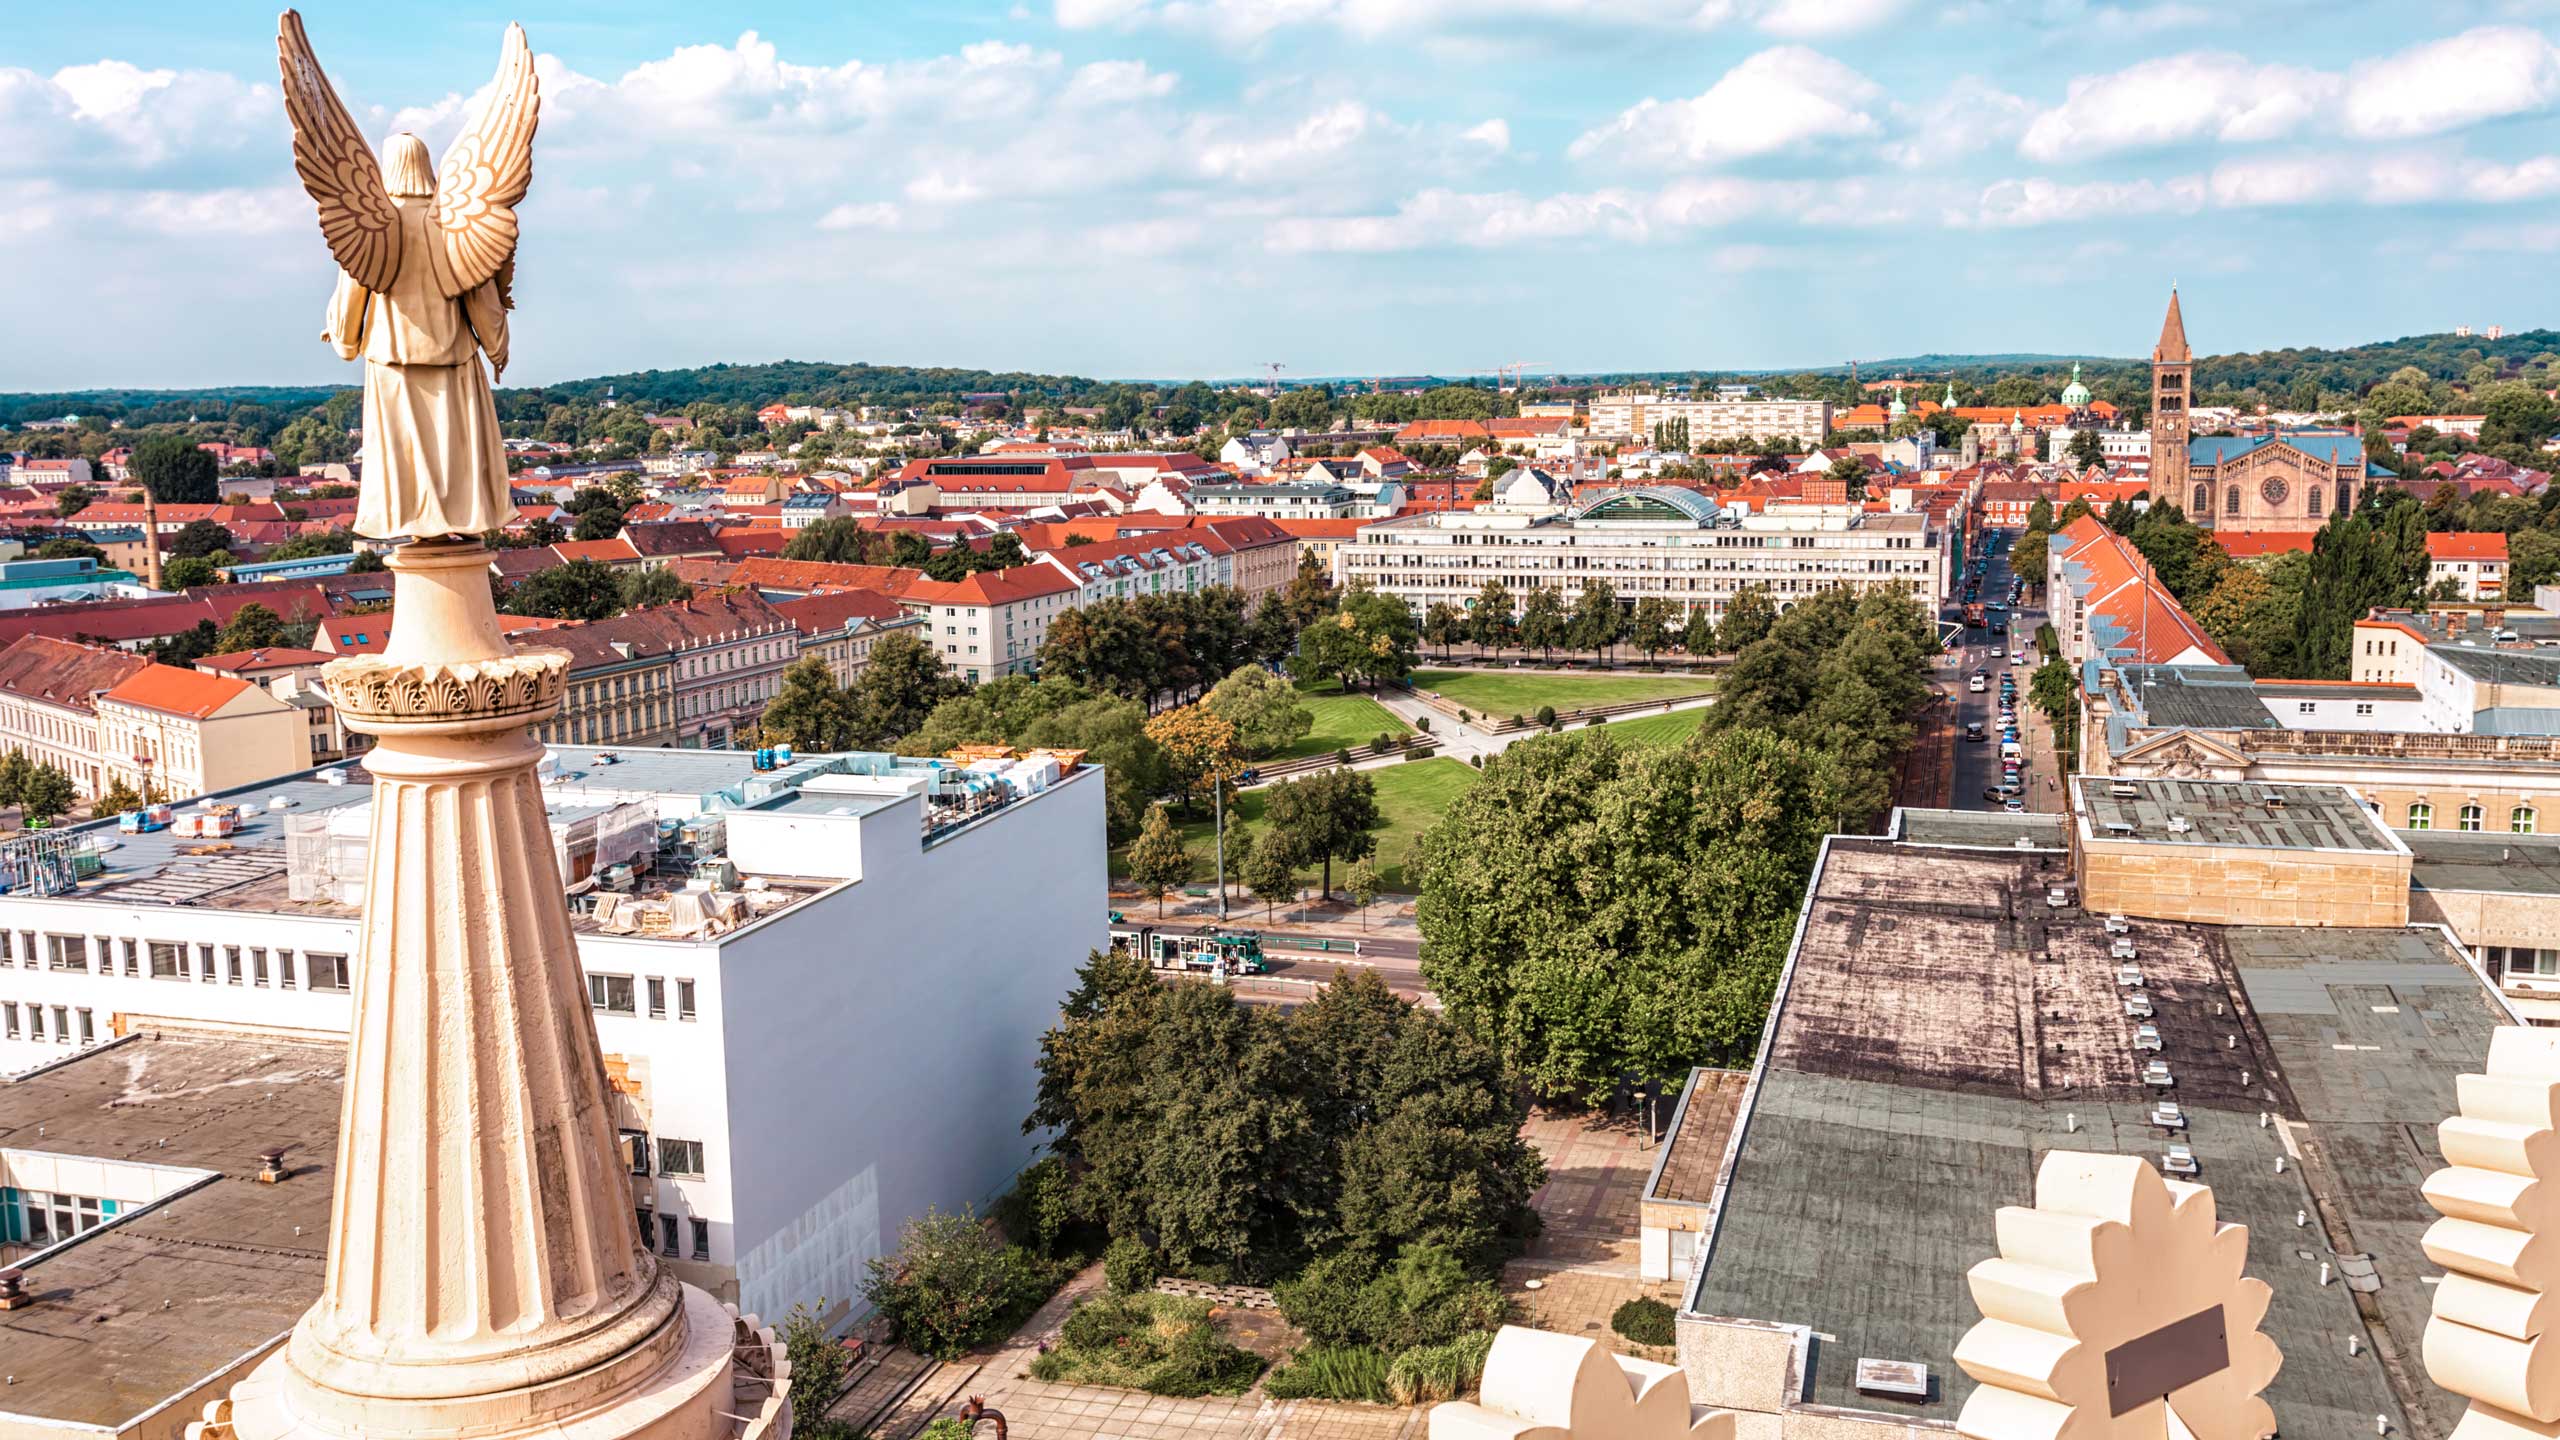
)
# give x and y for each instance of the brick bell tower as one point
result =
(2172, 371)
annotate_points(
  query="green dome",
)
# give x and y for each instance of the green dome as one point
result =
(2075, 395)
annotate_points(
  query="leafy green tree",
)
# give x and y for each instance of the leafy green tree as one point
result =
(1328, 816)
(1748, 617)
(73, 500)
(117, 798)
(1370, 640)
(14, 770)
(1489, 620)
(1158, 860)
(200, 538)
(71, 547)
(1264, 709)
(1597, 623)
(1650, 627)
(2358, 562)
(1271, 869)
(2055, 690)
(46, 796)
(818, 1368)
(840, 540)
(175, 471)
(1543, 624)
(312, 545)
(1442, 625)
(1199, 747)
(1698, 634)
(582, 589)
(638, 587)
(1361, 883)
(253, 627)
(1592, 913)
(898, 689)
(190, 571)
(953, 1285)
(809, 711)
(2086, 449)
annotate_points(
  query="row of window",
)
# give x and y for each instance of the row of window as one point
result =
(46, 1219)
(64, 1017)
(252, 965)
(2521, 962)
(620, 995)
(2422, 816)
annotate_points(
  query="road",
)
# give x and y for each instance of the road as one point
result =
(1978, 765)
(1298, 964)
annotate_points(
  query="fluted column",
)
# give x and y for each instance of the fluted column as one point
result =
(486, 1276)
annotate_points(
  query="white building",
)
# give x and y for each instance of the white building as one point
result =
(1652, 541)
(2115, 447)
(829, 1030)
(1635, 413)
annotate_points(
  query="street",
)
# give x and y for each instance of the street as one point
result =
(1977, 765)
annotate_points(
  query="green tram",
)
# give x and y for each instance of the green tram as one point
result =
(1213, 951)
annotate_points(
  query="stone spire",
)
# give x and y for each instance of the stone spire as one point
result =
(2172, 349)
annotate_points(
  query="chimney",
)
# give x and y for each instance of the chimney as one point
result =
(13, 1290)
(150, 538)
(271, 1169)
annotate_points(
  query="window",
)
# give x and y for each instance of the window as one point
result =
(257, 965)
(8, 1020)
(284, 970)
(2422, 816)
(2313, 499)
(2364, 708)
(2520, 819)
(648, 1223)
(2308, 707)
(2231, 501)
(667, 1234)
(657, 998)
(35, 1022)
(168, 960)
(2472, 816)
(132, 956)
(701, 1239)
(88, 1027)
(8, 955)
(684, 999)
(2203, 499)
(2522, 961)
(635, 1151)
(231, 971)
(680, 1157)
(68, 952)
(611, 994)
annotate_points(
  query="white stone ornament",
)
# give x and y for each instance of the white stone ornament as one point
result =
(2116, 1310)
(2489, 1340)
(1543, 1386)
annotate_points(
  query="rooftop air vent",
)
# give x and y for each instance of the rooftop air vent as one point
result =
(13, 1290)
(2181, 1159)
(1897, 1379)
(2123, 790)
(2180, 825)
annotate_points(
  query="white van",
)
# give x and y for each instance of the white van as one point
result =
(1977, 684)
(2009, 750)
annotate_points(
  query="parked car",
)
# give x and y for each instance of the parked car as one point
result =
(1977, 684)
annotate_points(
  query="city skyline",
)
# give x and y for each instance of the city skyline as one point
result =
(1349, 187)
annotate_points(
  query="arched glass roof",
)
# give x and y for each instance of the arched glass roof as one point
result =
(1651, 502)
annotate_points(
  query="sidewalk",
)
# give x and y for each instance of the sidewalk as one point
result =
(1390, 917)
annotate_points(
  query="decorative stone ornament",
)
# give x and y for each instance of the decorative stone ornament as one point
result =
(2490, 1338)
(2116, 1310)
(1543, 1386)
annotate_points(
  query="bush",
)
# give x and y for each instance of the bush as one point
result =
(1422, 723)
(1547, 716)
(1041, 1213)
(818, 1363)
(1478, 761)
(1417, 754)
(1342, 757)
(1644, 1320)
(1161, 1344)
(953, 1286)
(1426, 1297)
(1464, 717)
(1428, 1374)
(949, 1427)
(1387, 743)
(1129, 1266)
(1331, 1372)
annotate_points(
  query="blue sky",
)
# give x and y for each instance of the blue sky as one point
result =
(1196, 187)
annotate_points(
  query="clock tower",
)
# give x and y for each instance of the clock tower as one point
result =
(2172, 371)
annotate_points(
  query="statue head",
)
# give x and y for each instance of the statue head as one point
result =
(406, 170)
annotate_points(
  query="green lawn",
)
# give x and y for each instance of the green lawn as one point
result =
(1668, 729)
(1411, 795)
(1506, 695)
(1342, 721)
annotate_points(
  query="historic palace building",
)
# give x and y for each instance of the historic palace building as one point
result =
(2277, 482)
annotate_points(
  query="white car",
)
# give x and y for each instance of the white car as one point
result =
(1977, 684)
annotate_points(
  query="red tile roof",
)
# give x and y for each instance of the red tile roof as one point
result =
(2467, 545)
(810, 576)
(173, 691)
(991, 587)
(616, 551)
(2251, 544)
(276, 657)
(1441, 432)
(828, 612)
(63, 672)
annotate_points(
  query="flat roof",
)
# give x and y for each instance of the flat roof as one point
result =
(2245, 813)
(1990, 829)
(2206, 697)
(2498, 864)
(137, 1312)
(1940, 1029)
(1693, 1154)
(2537, 666)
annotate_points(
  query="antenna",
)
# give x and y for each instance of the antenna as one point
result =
(1275, 367)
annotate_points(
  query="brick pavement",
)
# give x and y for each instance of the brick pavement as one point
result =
(1585, 1262)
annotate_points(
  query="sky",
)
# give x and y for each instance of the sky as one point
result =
(1180, 188)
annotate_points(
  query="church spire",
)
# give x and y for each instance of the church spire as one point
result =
(2172, 349)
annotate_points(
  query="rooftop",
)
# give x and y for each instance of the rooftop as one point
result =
(1693, 1155)
(2228, 812)
(2501, 667)
(136, 1312)
(1939, 1028)
(2500, 864)
(1987, 829)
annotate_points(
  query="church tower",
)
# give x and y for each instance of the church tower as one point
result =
(2172, 367)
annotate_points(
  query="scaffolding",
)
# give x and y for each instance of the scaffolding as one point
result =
(41, 862)
(325, 853)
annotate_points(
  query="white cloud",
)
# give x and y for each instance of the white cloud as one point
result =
(1494, 135)
(877, 215)
(1810, 18)
(1246, 22)
(2388, 178)
(2481, 74)
(2039, 201)
(935, 188)
(123, 120)
(1972, 115)
(1120, 81)
(2174, 99)
(1779, 99)
(1312, 142)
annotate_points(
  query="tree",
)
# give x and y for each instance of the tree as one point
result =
(953, 1285)
(840, 540)
(638, 587)
(1698, 634)
(1442, 625)
(1592, 913)
(71, 547)
(1327, 816)
(46, 796)
(1271, 870)
(818, 1367)
(73, 500)
(312, 544)
(2085, 449)
(1489, 621)
(117, 799)
(2055, 690)
(1748, 617)
(898, 689)
(1369, 640)
(809, 711)
(1597, 623)
(1263, 708)
(175, 471)
(1158, 860)
(582, 589)
(189, 572)
(253, 627)
(14, 770)
(2253, 612)
(1542, 621)
(1650, 629)
(200, 538)
(1199, 748)
(1360, 882)
(1851, 473)
(1310, 593)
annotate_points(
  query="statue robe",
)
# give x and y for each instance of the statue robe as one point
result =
(434, 464)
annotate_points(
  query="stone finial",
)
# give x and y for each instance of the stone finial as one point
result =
(1542, 1386)
(2116, 1310)
(2490, 1338)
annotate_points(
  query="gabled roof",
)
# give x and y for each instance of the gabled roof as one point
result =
(63, 672)
(2251, 544)
(672, 537)
(172, 691)
(616, 551)
(273, 657)
(808, 576)
(2470, 545)
(832, 611)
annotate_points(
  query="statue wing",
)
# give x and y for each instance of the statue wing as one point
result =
(486, 171)
(336, 165)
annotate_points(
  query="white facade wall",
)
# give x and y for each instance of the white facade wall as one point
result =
(2349, 712)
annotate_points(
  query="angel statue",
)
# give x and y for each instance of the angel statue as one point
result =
(427, 268)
